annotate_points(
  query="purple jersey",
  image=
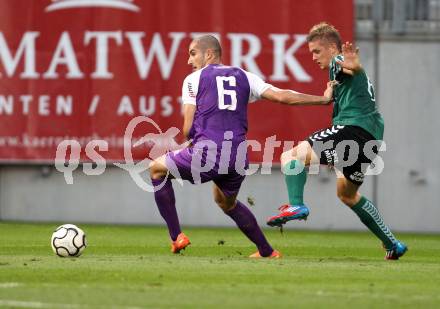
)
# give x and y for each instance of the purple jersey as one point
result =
(221, 95)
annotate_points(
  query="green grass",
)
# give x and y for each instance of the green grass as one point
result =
(131, 267)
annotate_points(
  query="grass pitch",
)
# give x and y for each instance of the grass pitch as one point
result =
(132, 267)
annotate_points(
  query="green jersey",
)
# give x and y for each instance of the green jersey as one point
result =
(354, 101)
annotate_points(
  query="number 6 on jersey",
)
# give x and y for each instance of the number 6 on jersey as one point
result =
(222, 92)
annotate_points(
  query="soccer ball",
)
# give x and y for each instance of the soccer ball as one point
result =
(68, 240)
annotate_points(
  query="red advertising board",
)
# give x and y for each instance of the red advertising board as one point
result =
(82, 70)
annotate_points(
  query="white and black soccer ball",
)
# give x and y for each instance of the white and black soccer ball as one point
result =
(68, 240)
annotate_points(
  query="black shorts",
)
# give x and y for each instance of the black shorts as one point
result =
(350, 149)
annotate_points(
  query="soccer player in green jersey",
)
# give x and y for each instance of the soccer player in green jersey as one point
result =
(349, 145)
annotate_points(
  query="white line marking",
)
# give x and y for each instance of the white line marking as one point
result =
(33, 304)
(4, 285)
(37, 304)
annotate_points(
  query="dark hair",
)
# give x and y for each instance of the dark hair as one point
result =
(209, 41)
(327, 32)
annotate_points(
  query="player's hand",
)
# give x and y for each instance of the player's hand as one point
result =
(351, 58)
(328, 93)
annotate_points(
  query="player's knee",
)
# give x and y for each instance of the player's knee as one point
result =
(156, 170)
(288, 156)
(348, 200)
(224, 205)
(227, 206)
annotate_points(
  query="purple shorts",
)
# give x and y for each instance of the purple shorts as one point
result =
(190, 164)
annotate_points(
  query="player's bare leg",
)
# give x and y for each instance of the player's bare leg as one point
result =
(303, 152)
(158, 168)
(369, 215)
(166, 203)
(293, 163)
(347, 191)
(245, 221)
(226, 203)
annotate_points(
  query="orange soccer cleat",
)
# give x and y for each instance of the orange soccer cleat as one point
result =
(181, 243)
(275, 255)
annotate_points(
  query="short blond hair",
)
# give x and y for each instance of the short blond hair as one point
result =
(327, 32)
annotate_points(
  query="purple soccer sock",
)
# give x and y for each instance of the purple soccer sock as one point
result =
(247, 223)
(166, 203)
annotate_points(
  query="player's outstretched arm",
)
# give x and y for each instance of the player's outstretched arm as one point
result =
(351, 63)
(290, 97)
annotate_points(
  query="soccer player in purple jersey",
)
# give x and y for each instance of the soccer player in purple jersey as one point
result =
(215, 99)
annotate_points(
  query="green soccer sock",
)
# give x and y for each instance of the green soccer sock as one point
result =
(295, 176)
(371, 217)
